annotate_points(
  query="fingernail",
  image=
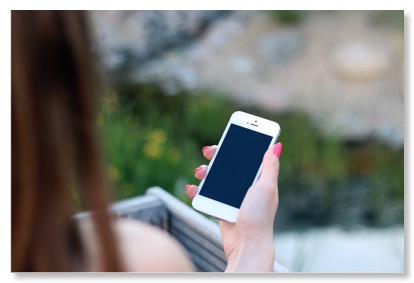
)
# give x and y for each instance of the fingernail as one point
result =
(204, 148)
(198, 168)
(186, 187)
(278, 149)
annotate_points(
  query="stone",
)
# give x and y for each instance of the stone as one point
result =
(241, 65)
(280, 47)
(357, 61)
(147, 35)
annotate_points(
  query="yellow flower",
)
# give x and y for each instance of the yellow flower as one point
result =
(154, 145)
(113, 173)
(152, 150)
(158, 136)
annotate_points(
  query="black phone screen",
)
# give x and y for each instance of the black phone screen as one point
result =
(235, 166)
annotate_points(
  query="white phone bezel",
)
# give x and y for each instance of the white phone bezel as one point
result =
(248, 121)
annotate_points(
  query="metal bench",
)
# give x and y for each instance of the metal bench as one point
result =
(200, 236)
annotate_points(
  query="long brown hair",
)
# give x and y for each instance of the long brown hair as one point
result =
(55, 146)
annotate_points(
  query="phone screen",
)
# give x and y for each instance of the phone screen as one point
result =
(235, 166)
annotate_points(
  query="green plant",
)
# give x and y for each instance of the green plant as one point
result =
(288, 16)
(154, 139)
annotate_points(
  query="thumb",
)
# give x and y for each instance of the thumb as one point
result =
(270, 169)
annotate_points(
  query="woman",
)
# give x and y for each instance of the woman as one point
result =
(56, 158)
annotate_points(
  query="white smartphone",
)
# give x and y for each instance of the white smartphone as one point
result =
(235, 166)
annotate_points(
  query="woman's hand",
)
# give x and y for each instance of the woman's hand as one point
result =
(248, 243)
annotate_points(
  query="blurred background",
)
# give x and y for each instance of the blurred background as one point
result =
(333, 80)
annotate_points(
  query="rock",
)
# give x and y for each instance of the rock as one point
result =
(280, 47)
(145, 35)
(357, 61)
(241, 65)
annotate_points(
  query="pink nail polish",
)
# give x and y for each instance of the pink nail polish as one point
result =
(204, 148)
(186, 187)
(198, 168)
(278, 149)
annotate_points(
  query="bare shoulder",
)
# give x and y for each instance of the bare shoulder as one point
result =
(144, 248)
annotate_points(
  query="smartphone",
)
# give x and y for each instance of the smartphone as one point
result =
(235, 166)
